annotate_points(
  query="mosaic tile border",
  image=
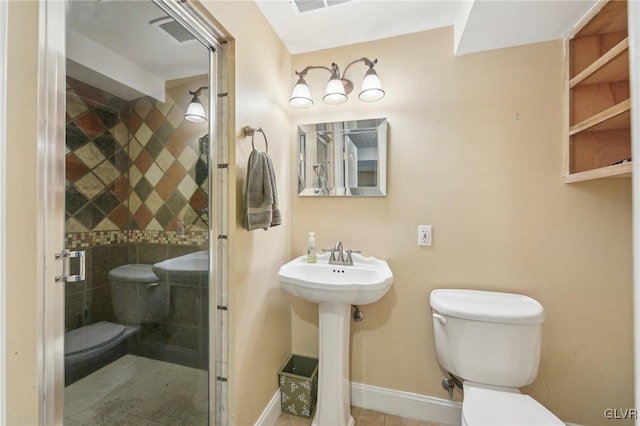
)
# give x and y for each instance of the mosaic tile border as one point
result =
(74, 240)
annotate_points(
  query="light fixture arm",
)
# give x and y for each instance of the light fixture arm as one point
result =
(335, 70)
(197, 92)
(368, 62)
(311, 67)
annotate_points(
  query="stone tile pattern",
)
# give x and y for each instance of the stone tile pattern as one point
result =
(132, 165)
(133, 170)
(141, 392)
(362, 417)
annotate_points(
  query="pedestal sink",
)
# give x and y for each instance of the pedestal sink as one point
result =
(335, 288)
(192, 262)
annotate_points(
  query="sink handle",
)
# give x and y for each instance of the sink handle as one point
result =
(333, 254)
(349, 251)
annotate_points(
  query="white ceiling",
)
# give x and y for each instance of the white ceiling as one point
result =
(112, 45)
(124, 27)
(478, 25)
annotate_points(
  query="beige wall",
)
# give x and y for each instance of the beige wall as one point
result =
(23, 274)
(260, 313)
(490, 185)
(475, 149)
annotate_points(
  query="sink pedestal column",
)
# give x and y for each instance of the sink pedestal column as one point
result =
(334, 398)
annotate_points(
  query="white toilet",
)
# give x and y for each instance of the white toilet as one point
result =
(491, 341)
(137, 297)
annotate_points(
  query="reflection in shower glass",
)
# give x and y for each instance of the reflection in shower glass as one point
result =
(137, 196)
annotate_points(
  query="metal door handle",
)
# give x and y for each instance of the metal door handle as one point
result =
(66, 255)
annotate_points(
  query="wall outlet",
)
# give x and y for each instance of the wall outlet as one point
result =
(424, 235)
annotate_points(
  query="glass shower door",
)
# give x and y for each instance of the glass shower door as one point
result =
(137, 197)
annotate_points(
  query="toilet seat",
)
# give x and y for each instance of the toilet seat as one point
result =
(481, 406)
(89, 348)
(92, 340)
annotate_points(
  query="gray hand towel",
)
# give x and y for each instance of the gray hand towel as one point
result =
(260, 195)
(276, 217)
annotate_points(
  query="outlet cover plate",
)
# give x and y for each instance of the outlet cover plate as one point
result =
(424, 235)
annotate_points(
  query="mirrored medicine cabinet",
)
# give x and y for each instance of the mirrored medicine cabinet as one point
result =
(343, 159)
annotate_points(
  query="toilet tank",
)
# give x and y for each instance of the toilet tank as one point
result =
(137, 296)
(488, 337)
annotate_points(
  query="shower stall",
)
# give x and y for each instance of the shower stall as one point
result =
(145, 212)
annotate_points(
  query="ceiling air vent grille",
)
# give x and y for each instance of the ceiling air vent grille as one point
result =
(173, 28)
(309, 5)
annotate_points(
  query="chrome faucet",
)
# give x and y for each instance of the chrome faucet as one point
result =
(337, 255)
(338, 248)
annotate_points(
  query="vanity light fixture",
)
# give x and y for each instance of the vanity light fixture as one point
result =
(195, 110)
(338, 87)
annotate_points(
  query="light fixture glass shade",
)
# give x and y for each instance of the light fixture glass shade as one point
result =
(301, 95)
(371, 87)
(195, 111)
(335, 95)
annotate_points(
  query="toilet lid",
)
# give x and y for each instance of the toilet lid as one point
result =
(487, 306)
(490, 407)
(91, 336)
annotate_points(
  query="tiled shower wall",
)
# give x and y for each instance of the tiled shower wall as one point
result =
(134, 171)
(133, 165)
(97, 162)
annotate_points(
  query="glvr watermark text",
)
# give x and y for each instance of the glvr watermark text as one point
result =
(620, 413)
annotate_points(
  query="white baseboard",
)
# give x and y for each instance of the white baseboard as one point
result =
(389, 401)
(269, 416)
(406, 404)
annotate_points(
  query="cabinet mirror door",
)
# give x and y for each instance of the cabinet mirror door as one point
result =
(345, 158)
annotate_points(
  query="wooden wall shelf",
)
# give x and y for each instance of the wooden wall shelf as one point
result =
(610, 67)
(614, 118)
(598, 95)
(615, 171)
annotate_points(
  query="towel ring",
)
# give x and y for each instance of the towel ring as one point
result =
(250, 131)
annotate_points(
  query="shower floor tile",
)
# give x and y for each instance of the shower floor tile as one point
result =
(138, 391)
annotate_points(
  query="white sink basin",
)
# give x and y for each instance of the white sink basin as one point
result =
(192, 262)
(365, 282)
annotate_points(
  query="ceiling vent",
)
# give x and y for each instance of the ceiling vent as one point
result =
(309, 5)
(169, 26)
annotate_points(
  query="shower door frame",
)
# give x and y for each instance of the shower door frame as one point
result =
(51, 160)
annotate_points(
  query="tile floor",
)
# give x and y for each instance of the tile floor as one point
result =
(361, 416)
(136, 391)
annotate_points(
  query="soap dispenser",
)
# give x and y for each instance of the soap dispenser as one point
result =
(312, 256)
